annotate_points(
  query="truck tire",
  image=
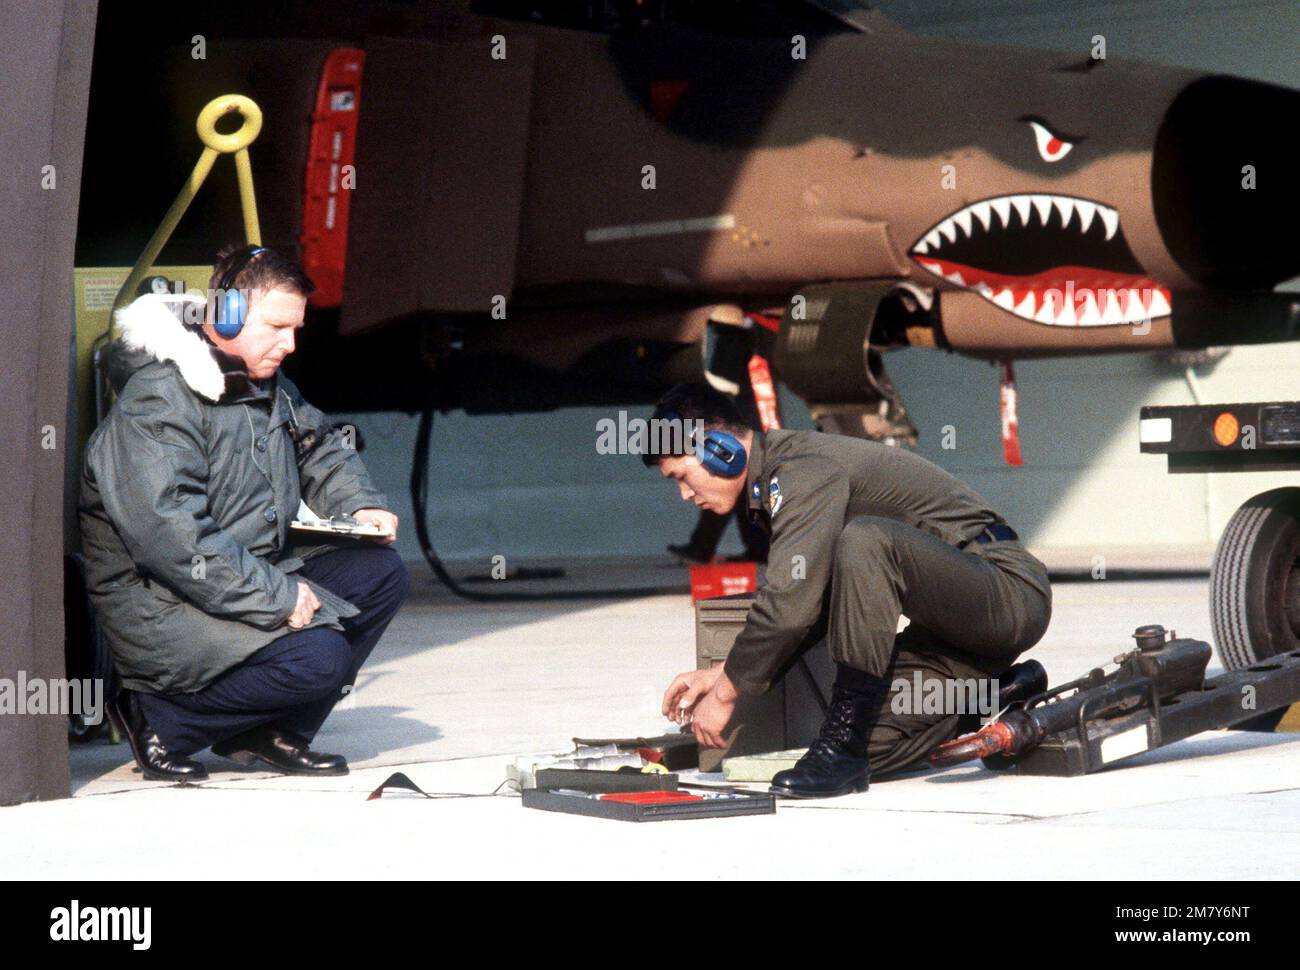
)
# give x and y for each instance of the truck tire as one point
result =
(1255, 580)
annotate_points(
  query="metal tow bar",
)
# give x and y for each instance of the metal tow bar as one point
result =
(1158, 695)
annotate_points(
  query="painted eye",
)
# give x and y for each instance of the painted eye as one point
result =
(1051, 147)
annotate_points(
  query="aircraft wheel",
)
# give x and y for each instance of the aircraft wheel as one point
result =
(1255, 580)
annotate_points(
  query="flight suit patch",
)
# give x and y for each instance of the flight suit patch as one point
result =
(774, 495)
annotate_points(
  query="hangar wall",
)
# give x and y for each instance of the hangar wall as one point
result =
(45, 54)
(533, 485)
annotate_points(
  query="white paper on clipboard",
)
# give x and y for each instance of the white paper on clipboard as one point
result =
(340, 525)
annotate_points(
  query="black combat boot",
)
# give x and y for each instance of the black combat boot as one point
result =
(836, 763)
(1021, 681)
(155, 761)
(1016, 684)
(281, 750)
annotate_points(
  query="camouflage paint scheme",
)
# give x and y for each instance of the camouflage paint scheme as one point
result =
(1022, 203)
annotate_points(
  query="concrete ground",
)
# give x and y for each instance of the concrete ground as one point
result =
(456, 690)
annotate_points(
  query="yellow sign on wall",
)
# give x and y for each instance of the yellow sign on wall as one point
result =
(94, 288)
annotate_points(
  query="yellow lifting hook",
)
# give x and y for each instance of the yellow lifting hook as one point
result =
(215, 143)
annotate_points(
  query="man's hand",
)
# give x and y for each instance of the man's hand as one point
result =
(382, 518)
(307, 606)
(707, 698)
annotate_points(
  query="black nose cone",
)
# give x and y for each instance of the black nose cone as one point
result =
(1219, 134)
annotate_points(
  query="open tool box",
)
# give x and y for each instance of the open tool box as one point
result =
(631, 795)
(668, 752)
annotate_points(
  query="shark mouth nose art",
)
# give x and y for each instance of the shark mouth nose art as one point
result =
(1053, 259)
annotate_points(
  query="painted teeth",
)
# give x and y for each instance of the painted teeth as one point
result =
(1086, 211)
(1110, 218)
(1098, 307)
(1026, 206)
(1043, 203)
(1046, 313)
(1103, 305)
(1002, 207)
(1065, 209)
(1068, 307)
(1065, 316)
(1090, 315)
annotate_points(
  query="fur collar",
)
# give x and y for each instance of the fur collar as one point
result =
(152, 325)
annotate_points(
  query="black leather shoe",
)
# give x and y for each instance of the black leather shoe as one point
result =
(836, 763)
(1021, 681)
(281, 750)
(155, 761)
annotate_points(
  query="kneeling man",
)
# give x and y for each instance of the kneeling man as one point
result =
(861, 534)
(224, 632)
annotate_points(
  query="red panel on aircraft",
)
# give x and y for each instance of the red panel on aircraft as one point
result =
(331, 174)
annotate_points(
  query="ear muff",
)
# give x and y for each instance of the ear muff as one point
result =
(230, 314)
(232, 309)
(722, 454)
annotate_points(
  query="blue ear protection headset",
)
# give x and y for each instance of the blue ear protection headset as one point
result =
(720, 452)
(232, 310)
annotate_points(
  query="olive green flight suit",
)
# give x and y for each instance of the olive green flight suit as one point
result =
(862, 533)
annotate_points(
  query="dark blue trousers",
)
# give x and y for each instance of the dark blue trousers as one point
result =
(293, 682)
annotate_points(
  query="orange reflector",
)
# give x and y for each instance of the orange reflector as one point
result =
(1226, 428)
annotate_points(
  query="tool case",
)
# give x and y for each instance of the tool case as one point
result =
(649, 806)
(638, 797)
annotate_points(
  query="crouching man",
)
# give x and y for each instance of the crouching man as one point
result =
(861, 533)
(224, 632)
